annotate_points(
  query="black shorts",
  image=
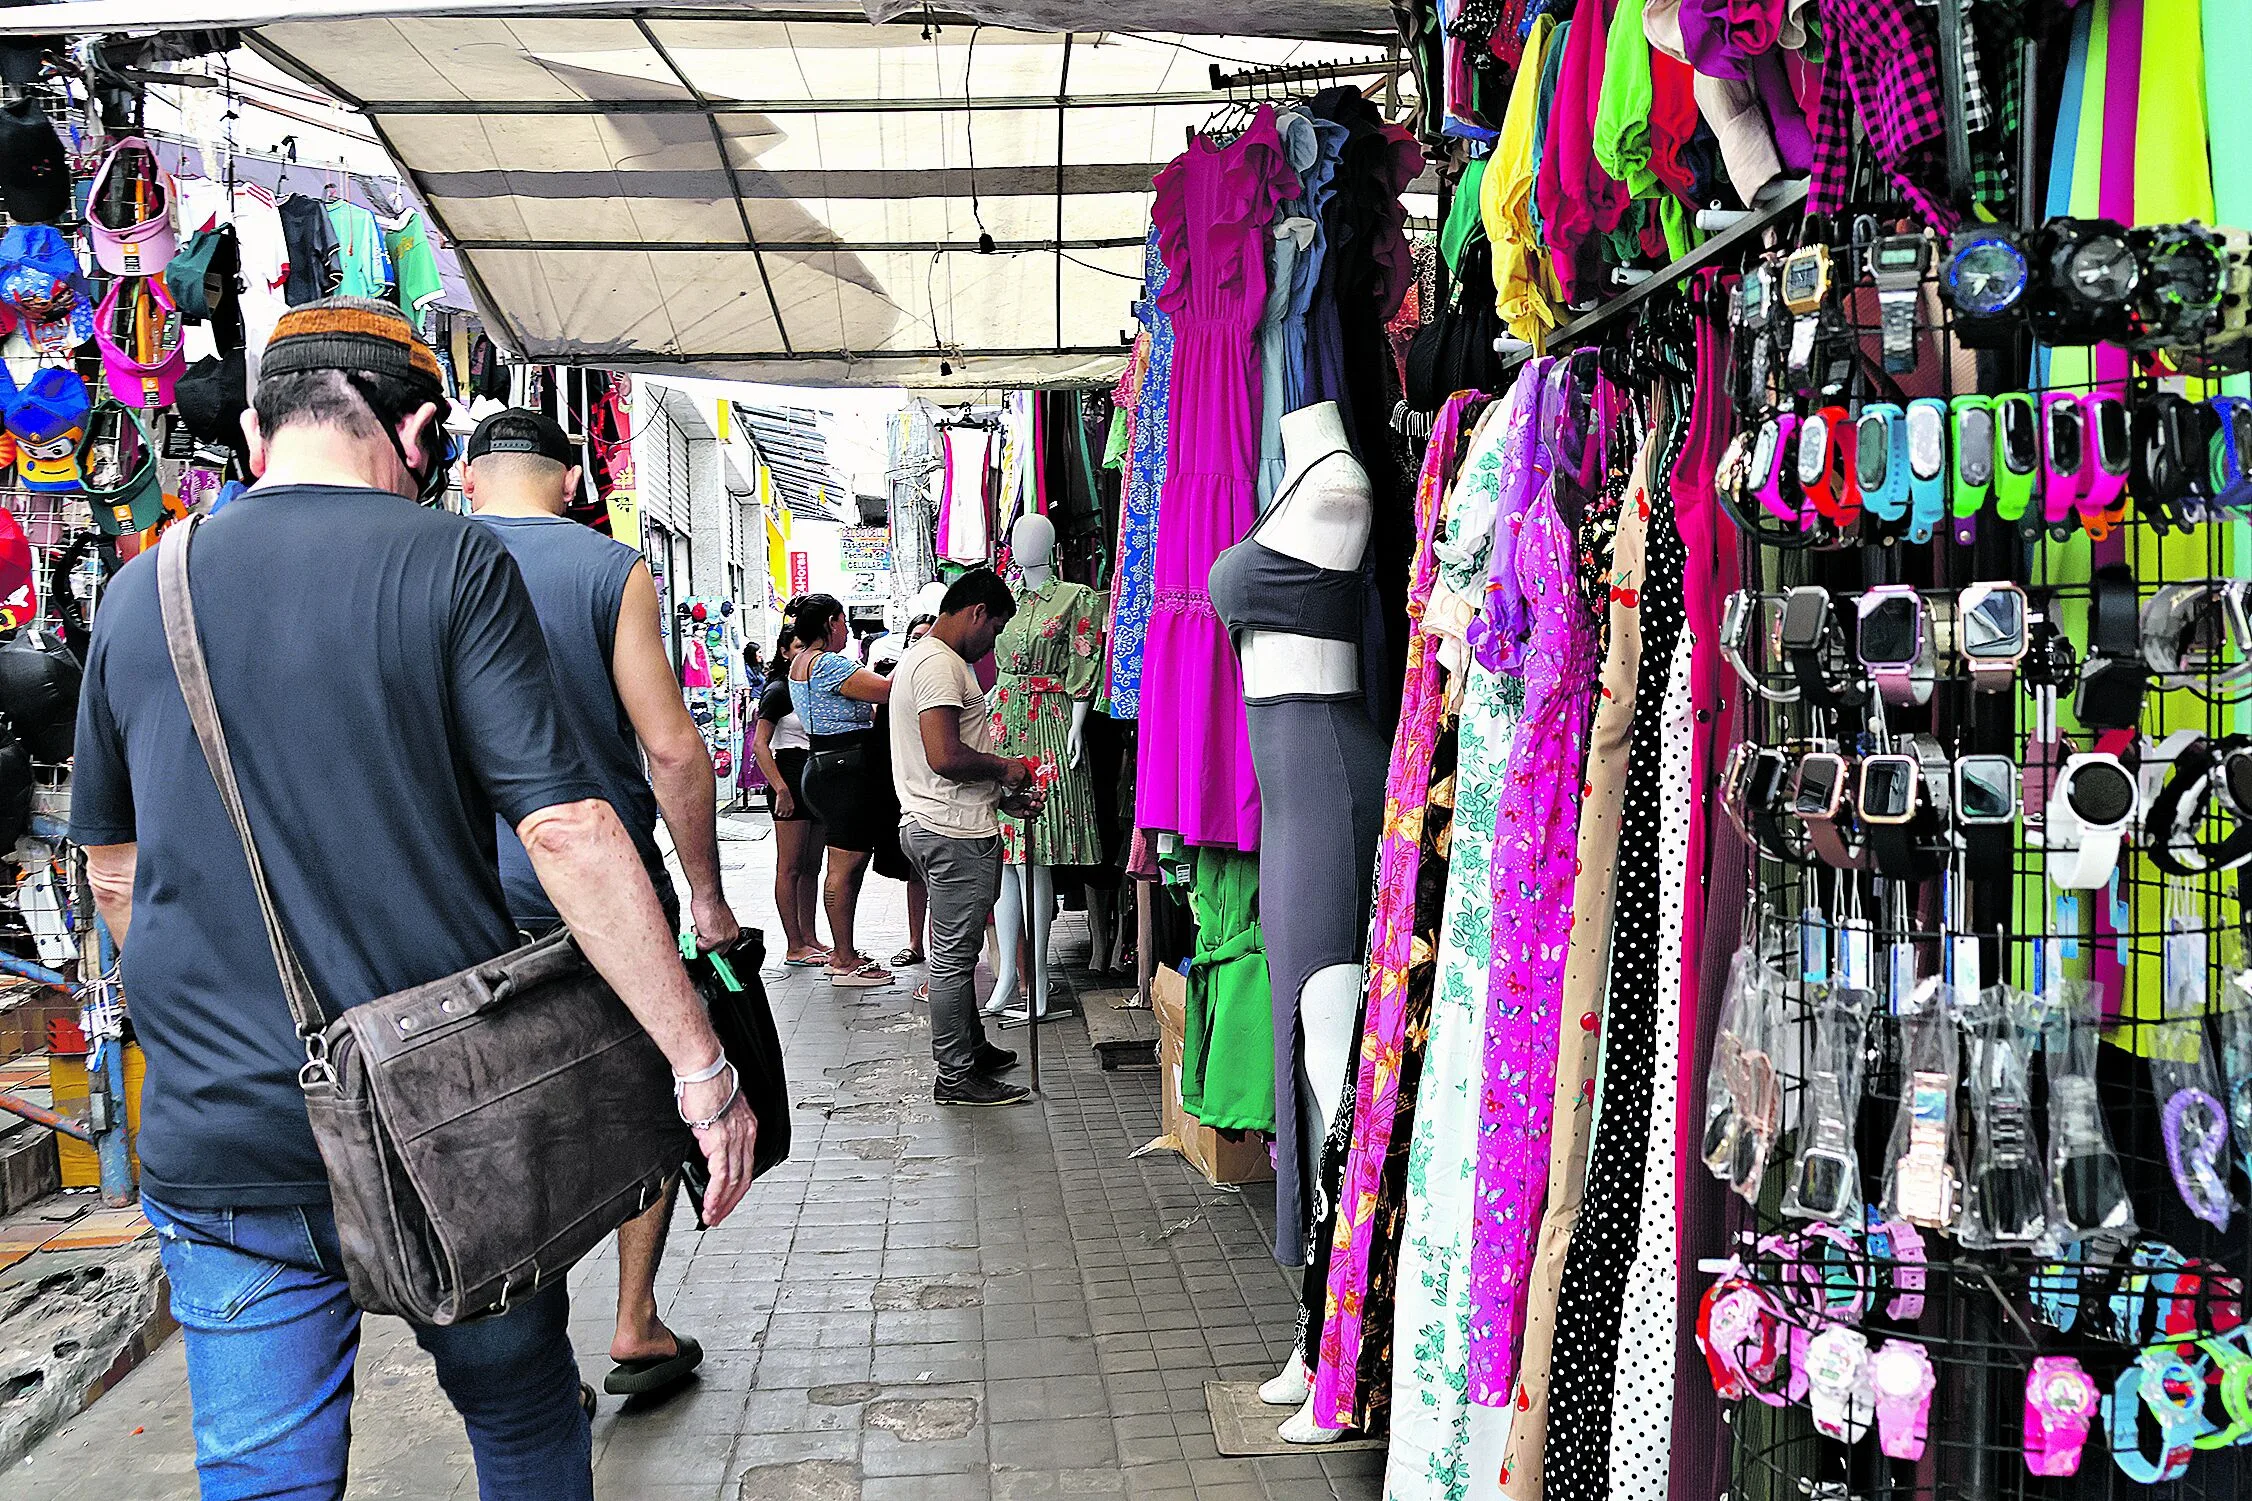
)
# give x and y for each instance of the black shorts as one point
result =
(791, 763)
(848, 786)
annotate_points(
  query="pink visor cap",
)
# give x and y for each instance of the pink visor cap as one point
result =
(123, 245)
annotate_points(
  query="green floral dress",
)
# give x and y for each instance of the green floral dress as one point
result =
(1050, 658)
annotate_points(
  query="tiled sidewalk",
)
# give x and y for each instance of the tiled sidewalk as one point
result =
(921, 1303)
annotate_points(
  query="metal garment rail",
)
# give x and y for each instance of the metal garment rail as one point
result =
(1721, 247)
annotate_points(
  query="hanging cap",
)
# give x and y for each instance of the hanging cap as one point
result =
(19, 589)
(136, 502)
(48, 419)
(40, 279)
(211, 397)
(352, 334)
(34, 178)
(517, 431)
(129, 380)
(131, 239)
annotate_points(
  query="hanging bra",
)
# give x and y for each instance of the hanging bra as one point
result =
(1255, 588)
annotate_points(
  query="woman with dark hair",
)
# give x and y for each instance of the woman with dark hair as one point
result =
(780, 746)
(847, 777)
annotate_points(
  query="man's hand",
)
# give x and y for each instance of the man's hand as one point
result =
(728, 1144)
(716, 926)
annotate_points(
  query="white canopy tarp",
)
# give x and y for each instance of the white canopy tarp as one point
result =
(790, 194)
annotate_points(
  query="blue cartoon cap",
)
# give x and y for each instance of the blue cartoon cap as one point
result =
(40, 278)
(48, 419)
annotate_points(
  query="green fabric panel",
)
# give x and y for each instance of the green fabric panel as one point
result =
(1228, 1042)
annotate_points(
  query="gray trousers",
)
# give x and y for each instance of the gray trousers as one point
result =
(963, 877)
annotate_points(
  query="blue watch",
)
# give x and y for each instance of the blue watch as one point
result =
(2231, 452)
(1880, 460)
(2172, 1390)
(1927, 467)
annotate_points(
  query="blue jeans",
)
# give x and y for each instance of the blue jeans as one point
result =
(272, 1336)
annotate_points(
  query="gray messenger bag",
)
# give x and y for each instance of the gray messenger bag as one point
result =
(481, 1132)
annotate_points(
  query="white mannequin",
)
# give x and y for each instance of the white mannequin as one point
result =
(1324, 520)
(1032, 545)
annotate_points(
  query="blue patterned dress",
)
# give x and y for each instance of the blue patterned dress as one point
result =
(1134, 589)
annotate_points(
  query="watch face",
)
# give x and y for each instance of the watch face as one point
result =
(1896, 254)
(2107, 431)
(2020, 441)
(1927, 440)
(2186, 269)
(1898, 1373)
(1802, 275)
(1770, 773)
(2100, 794)
(2068, 1394)
(1820, 779)
(1986, 789)
(2101, 270)
(1813, 449)
(2238, 424)
(1974, 445)
(1892, 631)
(1763, 452)
(1873, 451)
(1888, 787)
(2064, 439)
(2236, 786)
(1736, 620)
(1751, 296)
(1804, 611)
(1986, 276)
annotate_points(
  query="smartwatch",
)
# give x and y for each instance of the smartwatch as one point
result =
(1897, 264)
(2064, 466)
(1818, 800)
(1880, 460)
(2084, 280)
(2189, 776)
(1990, 633)
(2017, 455)
(2229, 453)
(1774, 477)
(1986, 814)
(2112, 674)
(2091, 805)
(1984, 282)
(1826, 468)
(1892, 807)
(1811, 644)
(1927, 466)
(1756, 788)
(1904, 1380)
(2060, 1403)
(2170, 460)
(1971, 476)
(1894, 640)
(1747, 621)
(2110, 464)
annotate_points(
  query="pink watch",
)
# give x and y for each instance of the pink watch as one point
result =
(2060, 1403)
(1902, 1374)
(1900, 1247)
(1768, 481)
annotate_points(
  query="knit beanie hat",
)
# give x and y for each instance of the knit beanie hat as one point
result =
(353, 334)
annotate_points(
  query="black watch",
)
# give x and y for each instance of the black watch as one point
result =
(1811, 642)
(2171, 463)
(2112, 674)
(1984, 281)
(2183, 276)
(2085, 277)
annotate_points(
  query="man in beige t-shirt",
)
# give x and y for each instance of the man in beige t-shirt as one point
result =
(950, 783)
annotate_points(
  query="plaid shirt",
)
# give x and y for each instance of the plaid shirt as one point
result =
(1881, 62)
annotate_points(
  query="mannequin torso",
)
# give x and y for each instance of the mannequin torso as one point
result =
(1322, 518)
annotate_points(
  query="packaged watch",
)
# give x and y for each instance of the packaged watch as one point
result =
(2005, 1196)
(2087, 1191)
(1922, 1180)
(1826, 1172)
(2186, 1078)
(1743, 1089)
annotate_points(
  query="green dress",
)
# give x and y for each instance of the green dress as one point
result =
(1228, 1047)
(1050, 658)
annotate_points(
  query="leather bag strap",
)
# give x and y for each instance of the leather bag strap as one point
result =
(186, 645)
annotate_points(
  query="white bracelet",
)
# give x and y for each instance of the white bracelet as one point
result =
(703, 1075)
(734, 1090)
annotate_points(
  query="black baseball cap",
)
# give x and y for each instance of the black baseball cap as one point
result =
(518, 431)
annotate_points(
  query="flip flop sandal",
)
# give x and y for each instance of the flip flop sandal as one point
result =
(639, 1378)
(803, 963)
(870, 976)
(586, 1400)
(906, 957)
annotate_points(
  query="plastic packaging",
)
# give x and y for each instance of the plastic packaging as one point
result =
(1743, 1098)
(1922, 1182)
(1826, 1175)
(2087, 1191)
(2232, 1022)
(2186, 1077)
(2005, 1190)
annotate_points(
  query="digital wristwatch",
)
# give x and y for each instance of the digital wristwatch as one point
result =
(2017, 456)
(1971, 474)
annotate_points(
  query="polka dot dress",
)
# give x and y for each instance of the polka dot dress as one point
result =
(1577, 1463)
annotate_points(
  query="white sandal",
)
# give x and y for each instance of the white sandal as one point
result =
(870, 976)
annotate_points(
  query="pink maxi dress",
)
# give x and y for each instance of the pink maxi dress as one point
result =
(1215, 205)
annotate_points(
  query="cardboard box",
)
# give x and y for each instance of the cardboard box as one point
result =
(66, 1084)
(1223, 1159)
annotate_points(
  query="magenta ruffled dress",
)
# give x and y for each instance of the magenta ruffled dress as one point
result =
(1214, 207)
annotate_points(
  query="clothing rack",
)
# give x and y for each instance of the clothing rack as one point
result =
(1745, 232)
(1251, 80)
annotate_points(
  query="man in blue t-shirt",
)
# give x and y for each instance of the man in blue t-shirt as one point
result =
(605, 644)
(385, 691)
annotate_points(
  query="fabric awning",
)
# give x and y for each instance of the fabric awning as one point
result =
(784, 193)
